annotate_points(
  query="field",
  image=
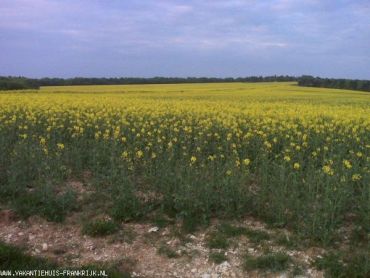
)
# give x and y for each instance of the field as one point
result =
(295, 158)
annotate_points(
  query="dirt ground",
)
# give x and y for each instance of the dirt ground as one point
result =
(135, 248)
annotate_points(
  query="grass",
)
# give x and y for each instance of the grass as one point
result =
(217, 240)
(167, 251)
(220, 239)
(162, 221)
(41, 200)
(217, 257)
(274, 262)
(291, 241)
(178, 233)
(257, 236)
(14, 258)
(297, 271)
(100, 228)
(127, 235)
(345, 264)
(230, 231)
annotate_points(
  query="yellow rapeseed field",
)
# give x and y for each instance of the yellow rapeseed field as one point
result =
(297, 156)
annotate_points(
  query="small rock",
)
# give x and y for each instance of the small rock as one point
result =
(20, 234)
(154, 229)
(44, 246)
(193, 270)
(206, 275)
(189, 245)
(165, 232)
(224, 267)
(31, 237)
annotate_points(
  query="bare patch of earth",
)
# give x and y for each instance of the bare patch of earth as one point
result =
(135, 247)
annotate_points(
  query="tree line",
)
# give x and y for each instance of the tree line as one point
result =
(20, 83)
(349, 84)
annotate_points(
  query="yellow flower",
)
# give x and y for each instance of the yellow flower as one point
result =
(139, 154)
(228, 172)
(42, 141)
(356, 177)
(246, 161)
(327, 170)
(60, 146)
(267, 144)
(193, 159)
(296, 166)
(287, 158)
(211, 157)
(347, 164)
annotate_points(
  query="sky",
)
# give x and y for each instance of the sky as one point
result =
(213, 38)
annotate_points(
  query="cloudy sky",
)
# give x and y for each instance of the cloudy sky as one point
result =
(66, 38)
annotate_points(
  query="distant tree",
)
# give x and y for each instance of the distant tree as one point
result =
(17, 83)
(350, 84)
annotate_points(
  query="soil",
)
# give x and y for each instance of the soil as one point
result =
(135, 248)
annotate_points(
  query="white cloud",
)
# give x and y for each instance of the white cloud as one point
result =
(193, 27)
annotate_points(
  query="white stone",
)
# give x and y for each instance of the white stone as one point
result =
(154, 229)
(224, 267)
(44, 246)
